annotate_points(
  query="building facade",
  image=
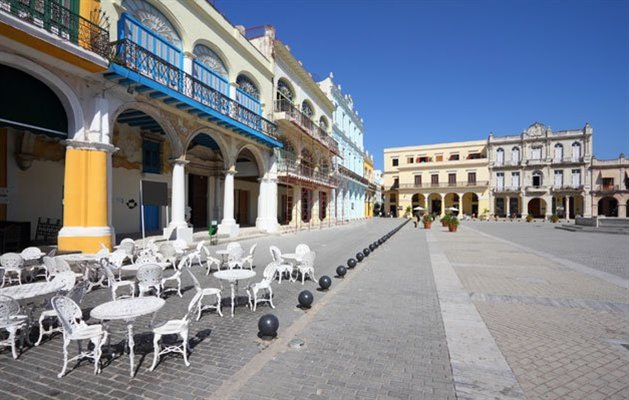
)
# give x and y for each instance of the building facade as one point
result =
(170, 133)
(378, 197)
(541, 172)
(436, 178)
(348, 131)
(610, 187)
(303, 114)
(370, 193)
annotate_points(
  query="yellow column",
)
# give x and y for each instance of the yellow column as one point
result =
(85, 203)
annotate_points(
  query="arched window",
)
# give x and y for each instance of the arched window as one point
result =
(307, 109)
(323, 123)
(209, 68)
(515, 155)
(248, 94)
(576, 151)
(500, 156)
(284, 91)
(153, 19)
(558, 152)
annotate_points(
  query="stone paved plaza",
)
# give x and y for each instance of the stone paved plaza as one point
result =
(495, 311)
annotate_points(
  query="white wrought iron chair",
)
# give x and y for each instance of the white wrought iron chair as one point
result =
(235, 258)
(168, 253)
(128, 246)
(112, 282)
(149, 276)
(301, 250)
(203, 255)
(61, 266)
(12, 321)
(12, 264)
(283, 267)
(180, 245)
(75, 292)
(306, 266)
(175, 327)
(206, 292)
(116, 260)
(176, 276)
(249, 258)
(32, 261)
(264, 285)
(74, 328)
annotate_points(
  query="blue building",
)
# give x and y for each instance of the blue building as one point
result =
(348, 131)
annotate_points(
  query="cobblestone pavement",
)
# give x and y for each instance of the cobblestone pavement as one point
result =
(559, 330)
(601, 251)
(381, 336)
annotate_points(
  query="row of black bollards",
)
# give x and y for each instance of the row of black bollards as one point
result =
(268, 324)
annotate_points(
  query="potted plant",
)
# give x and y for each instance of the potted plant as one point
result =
(453, 224)
(554, 218)
(407, 212)
(444, 220)
(530, 218)
(427, 220)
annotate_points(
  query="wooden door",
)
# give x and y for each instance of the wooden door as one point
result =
(197, 200)
(242, 216)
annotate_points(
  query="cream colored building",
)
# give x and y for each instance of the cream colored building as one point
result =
(437, 177)
(610, 187)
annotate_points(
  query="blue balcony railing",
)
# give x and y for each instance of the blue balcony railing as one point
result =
(147, 64)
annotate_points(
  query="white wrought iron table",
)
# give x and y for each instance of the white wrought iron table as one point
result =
(29, 290)
(233, 276)
(89, 266)
(128, 310)
(136, 266)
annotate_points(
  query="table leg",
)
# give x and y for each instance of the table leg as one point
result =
(131, 345)
(233, 284)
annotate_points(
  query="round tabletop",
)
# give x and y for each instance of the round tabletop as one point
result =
(127, 308)
(291, 256)
(29, 290)
(81, 257)
(222, 252)
(234, 274)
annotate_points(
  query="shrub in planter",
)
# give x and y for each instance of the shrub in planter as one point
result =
(554, 219)
(529, 218)
(453, 224)
(427, 220)
(445, 219)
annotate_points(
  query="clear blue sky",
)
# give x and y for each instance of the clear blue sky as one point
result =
(429, 71)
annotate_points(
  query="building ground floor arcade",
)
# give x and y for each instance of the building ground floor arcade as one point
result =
(304, 205)
(466, 203)
(82, 155)
(564, 204)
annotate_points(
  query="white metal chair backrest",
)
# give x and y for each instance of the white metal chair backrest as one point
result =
(67, 279)
(146, 258)
(150, 274)
(269, 271)
(308, 259)
(31, 253)
(186, 261)
(106, 266)
(235, 254)
(117, 258)
(252, 249)
(167, 250)
(193, 306)
(69, 313)
(8, 307)
(11, 261)
(128, 246)
(276, 254)
(233, 245)
(302, 249)
(51, 264)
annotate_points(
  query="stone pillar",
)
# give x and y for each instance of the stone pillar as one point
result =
(178, 227)
(508, 206)
(443, 211)
(211, 199)
(568, 198)
(267, 206)
(315, 207)
(228, 225)
(622, 210)
(86, 220)
(588, 207)
(296, 211)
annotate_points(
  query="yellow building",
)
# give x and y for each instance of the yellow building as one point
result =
(371, 188)
(437, 177)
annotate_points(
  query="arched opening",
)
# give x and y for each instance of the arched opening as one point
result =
(33, 123)
(558, 157)
(323, 123)
(247, 188)
(500, 156)
(248, 93)
(209, 68)
(284, 96)
(205, 178)
(142, 160)
(608, 206)
(308, 109)
(434, 204)
(515, 155)
(537, 179)
(470, 205)
(537, 207)
(451, 200)
(307, 169)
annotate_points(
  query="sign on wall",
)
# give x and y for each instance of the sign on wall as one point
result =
(154, 193)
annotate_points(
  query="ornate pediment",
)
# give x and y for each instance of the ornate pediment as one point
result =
(536, 129)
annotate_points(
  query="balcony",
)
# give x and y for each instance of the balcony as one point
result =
(567, 187)
(138, 68)
(607, 188)
(430, 185)
(536, 188)
(506, 189)
(352, 175)
(536, 161)
(289, 171)
(60, 21)
(285, 110)
(506, 164)
(567, 160)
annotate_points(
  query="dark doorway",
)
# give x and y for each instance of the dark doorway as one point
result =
(197, 200)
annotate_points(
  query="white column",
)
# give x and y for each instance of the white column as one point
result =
(178, 228)
(267, 206)
(568, 198)
(508, 206)
(228, 225)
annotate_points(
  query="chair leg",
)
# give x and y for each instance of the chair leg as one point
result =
(65, 358)
(179, 287)
(255, 300)
(41, 329)
(12, 330)
(156, 349)
(199, 309)
(271, 297)
(218, 304)
(184, 337)
(113, 293)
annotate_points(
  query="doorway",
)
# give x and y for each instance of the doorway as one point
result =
(242, 207)
(197, 200)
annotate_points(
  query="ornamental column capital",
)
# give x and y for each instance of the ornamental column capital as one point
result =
(94, 146)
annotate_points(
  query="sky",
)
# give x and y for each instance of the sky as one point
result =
(423, 72)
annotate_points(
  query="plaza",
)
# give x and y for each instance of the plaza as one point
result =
(492, 311)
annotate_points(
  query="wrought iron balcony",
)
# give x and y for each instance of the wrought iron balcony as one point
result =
(430, 185)
(506, 189)
(536, 188)
(306, 124)
(352, 175)
(290, 171)
(186, 92)
(60, 21)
